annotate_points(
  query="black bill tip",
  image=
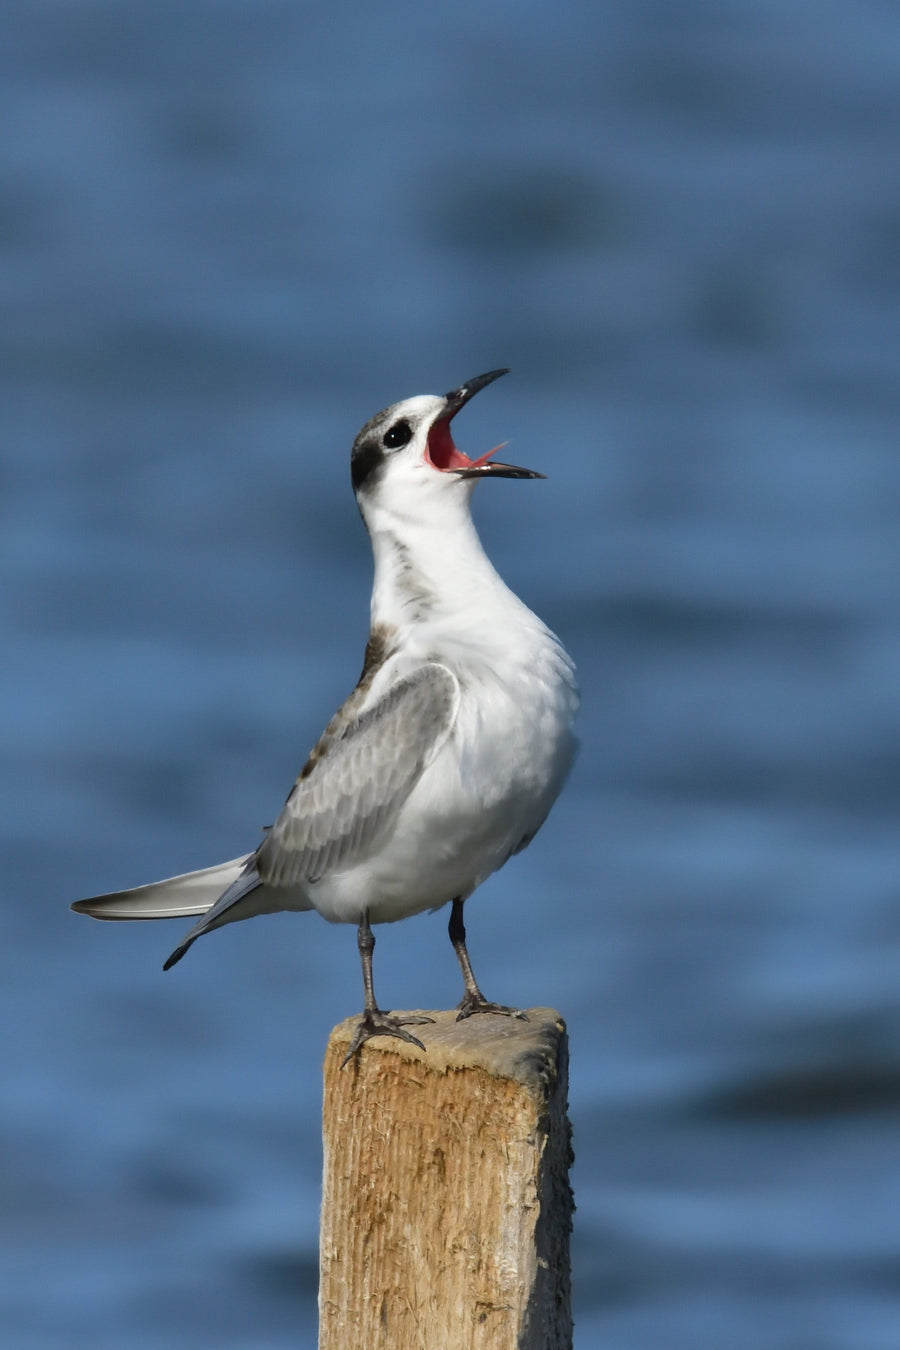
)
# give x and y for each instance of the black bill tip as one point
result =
(457, 398)
(494, 470)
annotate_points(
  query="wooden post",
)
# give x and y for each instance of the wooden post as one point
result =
(446, 1206)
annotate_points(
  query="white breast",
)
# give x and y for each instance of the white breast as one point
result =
(487, 791)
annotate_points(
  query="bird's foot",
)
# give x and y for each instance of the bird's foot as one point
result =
(477, 1003)
(378, 1023)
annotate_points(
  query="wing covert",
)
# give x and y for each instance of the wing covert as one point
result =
(345, 798)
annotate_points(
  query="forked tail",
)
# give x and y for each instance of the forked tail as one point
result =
(176, 897)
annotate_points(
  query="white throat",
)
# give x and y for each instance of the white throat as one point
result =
(428, 572)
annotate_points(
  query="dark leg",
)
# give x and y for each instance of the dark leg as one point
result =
(473, 1000)
(374, 1022)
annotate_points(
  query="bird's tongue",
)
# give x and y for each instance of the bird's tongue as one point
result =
(444, 455)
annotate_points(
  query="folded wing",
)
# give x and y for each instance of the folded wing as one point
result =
(345, 801)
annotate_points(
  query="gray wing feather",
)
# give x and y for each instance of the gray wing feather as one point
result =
(345, 800)
(225, 910)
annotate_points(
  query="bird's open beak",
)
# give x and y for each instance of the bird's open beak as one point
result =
(441, 452)
(458, 398)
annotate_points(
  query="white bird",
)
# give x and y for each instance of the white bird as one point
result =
(448, 755)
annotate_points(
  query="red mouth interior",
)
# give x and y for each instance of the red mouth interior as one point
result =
(444, 455)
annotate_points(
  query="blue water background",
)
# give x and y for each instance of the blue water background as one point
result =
(229, 233)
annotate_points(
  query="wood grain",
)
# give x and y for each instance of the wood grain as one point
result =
(446, 1207)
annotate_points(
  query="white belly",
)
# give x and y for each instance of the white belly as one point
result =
(485, 794)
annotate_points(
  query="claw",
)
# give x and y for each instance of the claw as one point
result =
(471, 1004)
(378, 1023)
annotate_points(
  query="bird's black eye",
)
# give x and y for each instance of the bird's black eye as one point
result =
(399, 434)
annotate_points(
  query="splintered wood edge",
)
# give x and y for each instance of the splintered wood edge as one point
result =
(504, 1047)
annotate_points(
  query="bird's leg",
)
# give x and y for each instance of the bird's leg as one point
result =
(473, 1000)
(374, 1022)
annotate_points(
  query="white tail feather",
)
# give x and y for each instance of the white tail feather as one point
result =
(175, 897)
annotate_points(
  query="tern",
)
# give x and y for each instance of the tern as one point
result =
(445, 759)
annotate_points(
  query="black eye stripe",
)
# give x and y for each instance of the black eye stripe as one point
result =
(365, 463)
(399, 434)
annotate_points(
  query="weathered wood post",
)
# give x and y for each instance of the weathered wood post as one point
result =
(446, 1206)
